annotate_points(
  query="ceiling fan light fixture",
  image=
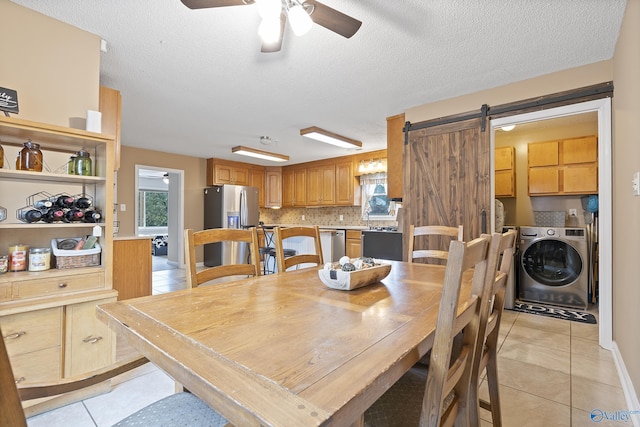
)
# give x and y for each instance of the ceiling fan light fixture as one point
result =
(165, 178)
(299, 19)
(269, 29)
(259, 154)
(319, 134)
(269, 8)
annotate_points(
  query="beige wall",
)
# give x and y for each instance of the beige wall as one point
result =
(626, 207)
(195, 172)
(551, 83)
(54, 67)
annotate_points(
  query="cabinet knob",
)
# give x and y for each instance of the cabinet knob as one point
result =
(62, 285)
(91, 340)
(15, 335)
(19, 380)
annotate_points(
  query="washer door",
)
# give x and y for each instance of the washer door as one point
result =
(552, 262)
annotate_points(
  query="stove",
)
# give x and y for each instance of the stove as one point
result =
(383, 243)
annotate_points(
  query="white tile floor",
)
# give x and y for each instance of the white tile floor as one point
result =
(552, 373)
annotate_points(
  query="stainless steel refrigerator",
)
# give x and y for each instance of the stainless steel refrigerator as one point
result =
(229, 206)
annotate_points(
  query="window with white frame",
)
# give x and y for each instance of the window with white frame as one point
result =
(376, 205)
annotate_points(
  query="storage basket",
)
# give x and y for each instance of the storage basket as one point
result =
(76, 258)
(549, 218)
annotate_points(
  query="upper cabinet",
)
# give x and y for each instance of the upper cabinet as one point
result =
(345, 183)
(568, 166)
(321, 185)
(395, 146)
(273, 187)
(220, 172)
(505, 171)
(294, 186)
(111, 109)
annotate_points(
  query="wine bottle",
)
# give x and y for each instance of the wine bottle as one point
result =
(53, 214)
(31, 215)
(82, 203)
(74, 215)
(92, 216)
(42, 204)
(64, 201)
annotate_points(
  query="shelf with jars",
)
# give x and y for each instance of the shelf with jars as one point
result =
(40, 290)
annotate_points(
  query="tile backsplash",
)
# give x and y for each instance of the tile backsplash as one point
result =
(319, 216)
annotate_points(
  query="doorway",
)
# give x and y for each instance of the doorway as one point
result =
(602, 107)
(171, 182)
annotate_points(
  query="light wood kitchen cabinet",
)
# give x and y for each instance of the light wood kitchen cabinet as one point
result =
(110, 106)
(354, 244)
(321, 185)
(220, 172)
(89, 343)
(505, 172)
(273, 187)
(395, 146)
(294, 187)
(41, 305)
(132, 267)
(345, 183)
(568, 166)
(256, 179)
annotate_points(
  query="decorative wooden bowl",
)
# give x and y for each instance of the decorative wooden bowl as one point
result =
(348, 280)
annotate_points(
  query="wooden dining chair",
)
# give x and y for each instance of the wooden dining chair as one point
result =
(437, 236)
(193, 239)
(283, 233)
(440, 395)
(486, 352)
(176, 409)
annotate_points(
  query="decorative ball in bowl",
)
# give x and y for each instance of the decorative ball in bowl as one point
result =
(348, 274)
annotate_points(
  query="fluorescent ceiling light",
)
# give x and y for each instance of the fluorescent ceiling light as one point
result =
(330, 137)
(265, 155)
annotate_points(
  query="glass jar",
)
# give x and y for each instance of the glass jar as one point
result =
(83, 164)
(71, 166)
(39, 259)
(30, 157)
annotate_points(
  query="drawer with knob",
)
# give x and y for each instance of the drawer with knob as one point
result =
(56, 285)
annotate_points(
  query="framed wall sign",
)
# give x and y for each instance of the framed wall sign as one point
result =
(8, 101)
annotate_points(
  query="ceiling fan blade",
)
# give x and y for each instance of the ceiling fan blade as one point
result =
(333, 20)
(277, 45)
(203, 4)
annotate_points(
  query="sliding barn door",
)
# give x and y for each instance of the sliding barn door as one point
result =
(447, 178)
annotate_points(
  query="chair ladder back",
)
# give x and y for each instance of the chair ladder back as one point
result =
(434, 233)
(283, 233)
(500, 260)
(195, 239)
(444, 375)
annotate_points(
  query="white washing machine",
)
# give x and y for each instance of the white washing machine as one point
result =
(554, 266)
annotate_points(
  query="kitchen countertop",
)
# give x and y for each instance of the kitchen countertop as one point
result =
(324, 227)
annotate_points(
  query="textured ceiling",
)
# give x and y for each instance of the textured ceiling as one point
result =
(194, 81)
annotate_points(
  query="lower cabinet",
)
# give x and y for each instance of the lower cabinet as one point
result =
(46, 344)
(354, 244)
(132, 267)
(89, 344)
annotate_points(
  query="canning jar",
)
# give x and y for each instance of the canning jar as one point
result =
(30, 157)
(18, 257)
(71, 165)
(39, 259)
(83, 163)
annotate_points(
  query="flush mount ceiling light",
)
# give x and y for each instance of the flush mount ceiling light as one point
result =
(259, 154)
(508, 128)
(316, 133)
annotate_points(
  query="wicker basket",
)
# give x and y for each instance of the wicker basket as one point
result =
(549, 218)
(76, 258)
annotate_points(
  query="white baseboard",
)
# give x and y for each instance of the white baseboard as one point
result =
(633, 406)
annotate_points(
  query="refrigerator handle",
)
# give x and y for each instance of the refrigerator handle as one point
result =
(243, 208)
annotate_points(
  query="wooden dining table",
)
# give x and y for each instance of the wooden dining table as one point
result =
(284, 349)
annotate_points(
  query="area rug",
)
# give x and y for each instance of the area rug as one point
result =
(555, 312)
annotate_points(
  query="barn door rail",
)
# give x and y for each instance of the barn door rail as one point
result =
(597, 91)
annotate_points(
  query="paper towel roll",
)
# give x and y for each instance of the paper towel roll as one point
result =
(94, 121)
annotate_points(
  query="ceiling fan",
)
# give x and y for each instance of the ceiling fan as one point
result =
(301, 13)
